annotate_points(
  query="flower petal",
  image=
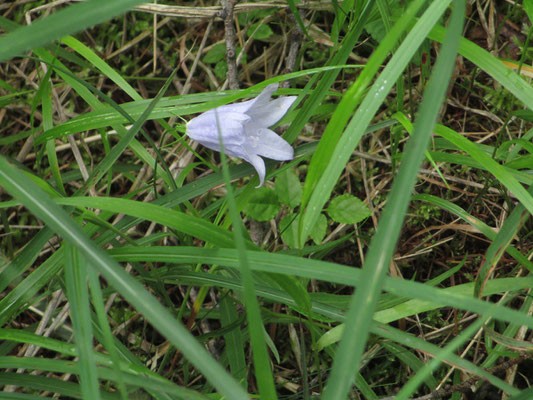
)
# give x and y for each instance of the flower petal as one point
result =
(259, 166)
(264, 97)
(266, 115)
(268, 144)
(204, 130)
(261, 100)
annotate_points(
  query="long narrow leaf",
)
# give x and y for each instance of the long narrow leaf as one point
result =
(70, 20)
(357, 126)
(364, 300)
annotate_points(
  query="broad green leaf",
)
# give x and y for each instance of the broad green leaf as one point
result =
(288, 188)
(320, 229)
(215, 54)
(259, 32)
(288, 227)
(263, 204)
(348, 209)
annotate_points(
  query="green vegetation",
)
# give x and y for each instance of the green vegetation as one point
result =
(389, 259)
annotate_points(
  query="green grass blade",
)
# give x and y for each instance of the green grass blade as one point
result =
(72, 19)
(351, 99)
(136, 380)
(76, 282)
(357, 126)
(22, 336)
(108, 161)
(418, 344)
(234, 340)
(97, 62)
(48, 124)
(328, 78)
(89, 94)
(14, 302)
(191, 225)
(499, 172)
(424, 297)
(103, 322)
(410, 360)
(512, 81)
(24, 259)
(410, 387)
(476, 223)
(43, 383)
(359, 316)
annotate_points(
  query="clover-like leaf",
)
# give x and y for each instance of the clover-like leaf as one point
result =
(263, 204)
(348, 209)
(288, 227)
(319, 230)
(289, 188)
(215, 54)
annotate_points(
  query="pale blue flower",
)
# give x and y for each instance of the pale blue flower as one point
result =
(244, 129)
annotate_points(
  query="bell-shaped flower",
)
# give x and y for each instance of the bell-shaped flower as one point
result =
(244, 129)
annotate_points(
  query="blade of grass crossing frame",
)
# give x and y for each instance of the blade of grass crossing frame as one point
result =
(500, 242)
(76, 281)
(263, 372)
(424, 297)
(363, 303)
(47, 124)
(18, 185)
(182, 222)
(510, 331)
(125, 140)
(525, 395)
(13, 303)
(67, 390)
(410, 360)
(499, 245)
(87, 92)
(414, 382)
(326, 80)
(513, 82)
(160, 389)
(413, 342)
(105, 68)
(325, 153)
(385, 14)
(101, 316)
(476, 223)
(44, 96)
(297, 17)
(234, 340)
(72, 19)
(499, 171)
(24, 259)
(360, 121)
